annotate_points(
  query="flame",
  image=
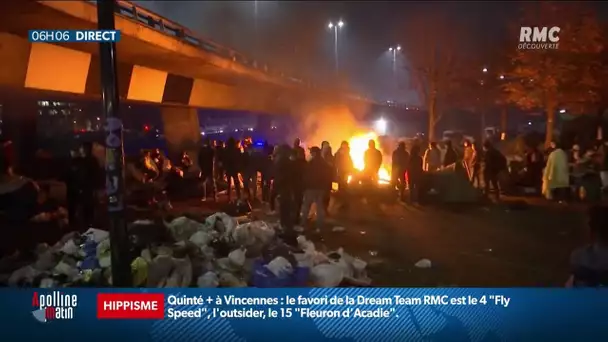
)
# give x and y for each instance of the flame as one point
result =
(358, 146)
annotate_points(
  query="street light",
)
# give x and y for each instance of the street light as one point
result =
(502, 77)
(394, 50)
(335, 27)
(484, 70)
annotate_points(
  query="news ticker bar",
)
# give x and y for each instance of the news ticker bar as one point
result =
(72, 36)
(159, 306)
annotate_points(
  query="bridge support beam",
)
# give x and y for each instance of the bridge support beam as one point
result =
(182, 130)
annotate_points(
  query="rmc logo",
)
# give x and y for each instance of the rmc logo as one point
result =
(538, 38)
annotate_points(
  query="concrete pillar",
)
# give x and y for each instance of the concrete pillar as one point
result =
(182, 131)
(19, 124)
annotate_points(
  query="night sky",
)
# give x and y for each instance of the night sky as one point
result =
(294, 36)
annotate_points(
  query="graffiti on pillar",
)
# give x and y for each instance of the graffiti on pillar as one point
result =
(114, 159)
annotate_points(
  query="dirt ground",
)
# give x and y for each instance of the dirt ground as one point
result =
(500, 245)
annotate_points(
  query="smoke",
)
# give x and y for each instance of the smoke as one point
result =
(332, 123)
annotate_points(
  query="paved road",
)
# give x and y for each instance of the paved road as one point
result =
(495, 246)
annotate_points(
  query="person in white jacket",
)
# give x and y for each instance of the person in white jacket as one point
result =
(432, 158)
(556, 176)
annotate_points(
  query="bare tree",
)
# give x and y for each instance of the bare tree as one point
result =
(436, 56)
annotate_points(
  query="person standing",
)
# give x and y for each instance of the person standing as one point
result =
(494, 163)
(91, 179)
(206, 161)
(415, 173)
(556, 177)
(476, 161)
(534, 167)
(432, 158)
(604, 166)
(283, 186)
(399, 167)
(317, 176)
(344, 169)
(232, 165)
(298, 157)
(450, 157)
(373, 161)
(328, 156)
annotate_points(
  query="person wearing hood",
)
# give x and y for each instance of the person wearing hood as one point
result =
(344, 168)
(327, 155)
(604, 165)
(400, 161)
(556, 177)
(317, 177)
(432, 158)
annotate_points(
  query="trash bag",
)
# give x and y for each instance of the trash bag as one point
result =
(237, 257)
(201, 238)
(182, 228)
(326, 275)
(97, 235)
(208, 280)
(280, 267)
(222, 223)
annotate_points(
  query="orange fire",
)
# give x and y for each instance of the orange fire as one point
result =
(358, 146)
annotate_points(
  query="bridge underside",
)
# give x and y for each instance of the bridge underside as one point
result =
(153, 66)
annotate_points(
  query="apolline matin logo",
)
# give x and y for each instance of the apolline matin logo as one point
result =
(53, 306)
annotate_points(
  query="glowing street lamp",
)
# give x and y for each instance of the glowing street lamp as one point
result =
(484, 70)
(335, 27)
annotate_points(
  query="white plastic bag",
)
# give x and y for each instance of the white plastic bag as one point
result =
(227, 226)
(228, 279)
(27, 273)
(208, 280)
(182, 228)
(280, 267)
(423, 263)
(97, 235)
(326, 275)
(201, 238)
(262, 231)
(243, 236)
(237, 257)
(70, 248)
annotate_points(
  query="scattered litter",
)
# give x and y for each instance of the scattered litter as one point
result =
(423, 263)
(218, 251)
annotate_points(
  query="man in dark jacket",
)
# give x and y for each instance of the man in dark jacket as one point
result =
(373, 162)
(494, 163)
(400, 162)
(298, 157)
(266, 171)
(298, 150)
(254, 158)
(415, 174)
(92, 175)
(206, 160)
(317, 177)
(344, 169)
(284, 185)
(232, 165)
(450, 156)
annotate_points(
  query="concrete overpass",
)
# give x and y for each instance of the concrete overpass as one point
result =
(159, 62)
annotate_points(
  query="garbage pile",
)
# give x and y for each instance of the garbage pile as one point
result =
(219, 251)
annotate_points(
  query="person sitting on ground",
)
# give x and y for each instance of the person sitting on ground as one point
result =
(589, 264)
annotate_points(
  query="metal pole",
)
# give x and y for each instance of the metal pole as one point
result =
(115, 182)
